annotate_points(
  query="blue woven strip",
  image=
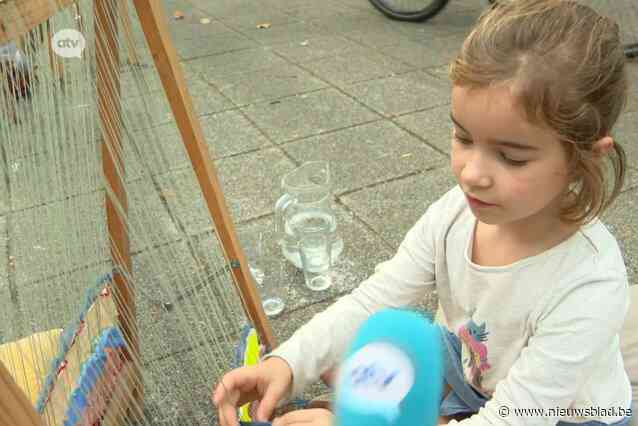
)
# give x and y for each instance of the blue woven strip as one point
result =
(67, 337)
(91, 372)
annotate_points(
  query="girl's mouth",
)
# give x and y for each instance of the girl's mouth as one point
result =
(476, 203)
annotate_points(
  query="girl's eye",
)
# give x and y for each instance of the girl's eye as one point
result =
(510, 161)
(464, 141)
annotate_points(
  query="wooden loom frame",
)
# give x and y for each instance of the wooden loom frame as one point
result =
(17, 19)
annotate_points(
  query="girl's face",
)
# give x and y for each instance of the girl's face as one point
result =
(509, 169)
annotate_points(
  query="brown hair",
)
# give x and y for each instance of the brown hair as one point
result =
(566, 67)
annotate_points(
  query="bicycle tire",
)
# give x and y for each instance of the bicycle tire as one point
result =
(428, 11)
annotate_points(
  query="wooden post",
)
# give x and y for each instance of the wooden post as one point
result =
(15, 408)
(108, 94)
(154, 24)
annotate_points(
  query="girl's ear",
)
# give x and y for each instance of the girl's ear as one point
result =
(602, 146)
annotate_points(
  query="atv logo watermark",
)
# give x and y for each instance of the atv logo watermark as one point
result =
(68, 43)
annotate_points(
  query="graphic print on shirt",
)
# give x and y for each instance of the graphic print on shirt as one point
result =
(474, 353)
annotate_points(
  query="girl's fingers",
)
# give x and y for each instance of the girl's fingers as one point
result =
(268, 403)
(227, 414)
(237, 385)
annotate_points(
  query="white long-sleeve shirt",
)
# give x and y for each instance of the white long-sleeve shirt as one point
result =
(540, 333)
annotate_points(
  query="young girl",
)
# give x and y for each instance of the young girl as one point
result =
(532, 285)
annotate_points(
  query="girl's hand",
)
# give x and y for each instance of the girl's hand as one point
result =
(312, 417)
(267, 382)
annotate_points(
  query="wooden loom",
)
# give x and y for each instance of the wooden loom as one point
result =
(18, 18)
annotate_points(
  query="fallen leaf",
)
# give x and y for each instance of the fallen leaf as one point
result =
(178, 14)
(204, 21)
(264, 25)
(167, 194)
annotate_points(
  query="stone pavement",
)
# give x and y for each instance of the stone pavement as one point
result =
(335, 80)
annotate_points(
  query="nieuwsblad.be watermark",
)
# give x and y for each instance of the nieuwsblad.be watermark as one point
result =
(68, 43)
(505, 411)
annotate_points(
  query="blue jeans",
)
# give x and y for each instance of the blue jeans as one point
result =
(463, 399)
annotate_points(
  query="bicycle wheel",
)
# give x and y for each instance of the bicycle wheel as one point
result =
(409, 10)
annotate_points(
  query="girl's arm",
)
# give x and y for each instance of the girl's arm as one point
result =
(575, 333)
(401, 281)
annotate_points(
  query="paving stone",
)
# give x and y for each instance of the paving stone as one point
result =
(150, 221)
(214, 68)
(315, 48)
(402, 93)
(229, 133)
(356, 65)
(316, 12)
(624, 227)
(349, 22)
(376, 36)
(10, 316)
(625, 132)
(155, 120)
(357, 5)
(392, 208)
(145, 112)
(154, 151)
(458, 18)
(631, 179)
(367, 154)
(56, 302)
(222, 8)
(218, 43)
(4, 256)
(250, 181)
(206, 99)
(440, 72)
(433, 125)
(178, 289)
(42, 244)
(632, 68)
(137, 80)
(54, 175)
(252, 18)
(308, 114)
(299, 30)
(4, 197)
(178, 389)
(190, 27)
(268, 84)
(431, 52)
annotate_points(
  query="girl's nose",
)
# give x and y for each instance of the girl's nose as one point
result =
(476, 172)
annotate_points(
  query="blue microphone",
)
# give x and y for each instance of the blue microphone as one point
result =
(393, 372)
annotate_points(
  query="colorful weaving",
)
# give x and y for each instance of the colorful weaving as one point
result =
(90, 364)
